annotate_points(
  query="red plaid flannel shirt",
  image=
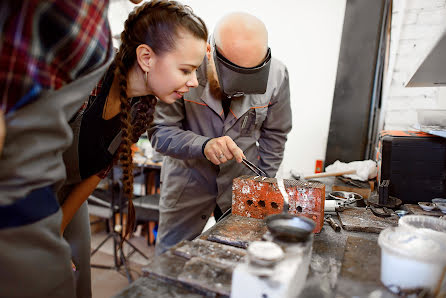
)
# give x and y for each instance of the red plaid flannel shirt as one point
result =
(47, 44)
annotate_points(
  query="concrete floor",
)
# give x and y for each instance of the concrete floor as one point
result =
(106, 282)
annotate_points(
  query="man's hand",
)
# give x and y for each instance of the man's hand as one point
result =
(2, 131)
(222, 149)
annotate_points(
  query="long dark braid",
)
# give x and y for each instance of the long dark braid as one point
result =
(155, 23)
(145, 110)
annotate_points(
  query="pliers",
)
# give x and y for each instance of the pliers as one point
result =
(258, 171)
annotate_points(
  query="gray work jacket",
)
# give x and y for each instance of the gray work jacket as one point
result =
(258, 124)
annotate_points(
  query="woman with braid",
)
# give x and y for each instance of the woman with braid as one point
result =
(163, 43)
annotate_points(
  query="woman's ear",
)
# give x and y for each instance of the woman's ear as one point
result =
(145, 57)
(208, 51)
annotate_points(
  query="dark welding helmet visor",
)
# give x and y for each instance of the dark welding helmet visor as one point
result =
(236, 81)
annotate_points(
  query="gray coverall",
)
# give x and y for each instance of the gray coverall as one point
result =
(191, 184)
(35, 259)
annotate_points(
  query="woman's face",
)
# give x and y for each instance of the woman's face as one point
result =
(174, 72)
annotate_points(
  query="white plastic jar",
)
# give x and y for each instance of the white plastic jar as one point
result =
(410, 260)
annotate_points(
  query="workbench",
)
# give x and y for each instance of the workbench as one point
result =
(343, 264)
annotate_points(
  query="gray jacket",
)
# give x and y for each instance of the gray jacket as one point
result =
(257, 123)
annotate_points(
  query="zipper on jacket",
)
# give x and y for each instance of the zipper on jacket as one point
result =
(244, 121)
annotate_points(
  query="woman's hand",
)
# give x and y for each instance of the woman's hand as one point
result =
(220, 150)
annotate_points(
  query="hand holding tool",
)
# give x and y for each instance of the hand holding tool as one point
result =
(258, 171)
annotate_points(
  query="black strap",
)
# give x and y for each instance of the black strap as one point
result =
(36, 206)
(226, 103)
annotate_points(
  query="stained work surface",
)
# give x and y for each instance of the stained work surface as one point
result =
(196, 274)
(206, 266)
(258, 197)
(149, 287)
(362, 261)
(212, 251)
(415, 209)
(363, 220)
(207, 275)
(236, 231)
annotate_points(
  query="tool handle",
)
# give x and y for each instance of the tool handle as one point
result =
(333, 224)
(326, 174)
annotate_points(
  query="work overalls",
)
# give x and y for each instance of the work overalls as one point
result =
(89, 153)
(191, 185)
(35, 261)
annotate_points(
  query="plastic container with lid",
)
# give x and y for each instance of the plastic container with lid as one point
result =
(425, 225)
(410, 260)
(272, 270)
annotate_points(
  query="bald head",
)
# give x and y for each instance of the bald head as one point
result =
(242, 38)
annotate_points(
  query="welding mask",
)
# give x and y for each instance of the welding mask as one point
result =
(236, 81)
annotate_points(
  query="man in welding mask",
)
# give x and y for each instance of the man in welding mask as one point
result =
(241, 108)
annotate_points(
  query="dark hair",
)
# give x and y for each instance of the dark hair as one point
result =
(156, 23)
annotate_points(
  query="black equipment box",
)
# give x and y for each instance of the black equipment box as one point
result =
(415, 164)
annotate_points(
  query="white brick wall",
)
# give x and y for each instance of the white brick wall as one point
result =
(416, 25)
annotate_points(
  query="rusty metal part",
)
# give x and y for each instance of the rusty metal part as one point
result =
(259, 197)
(381, 212)
(332, 223)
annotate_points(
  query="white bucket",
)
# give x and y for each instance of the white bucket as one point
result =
(425, 225)
(410, 260)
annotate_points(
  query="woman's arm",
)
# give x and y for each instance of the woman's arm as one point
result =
(2, 131)
(76, 198)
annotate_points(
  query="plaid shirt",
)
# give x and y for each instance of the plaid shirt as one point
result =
(47, 44)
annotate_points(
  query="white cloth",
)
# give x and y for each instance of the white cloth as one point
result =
(365, 169)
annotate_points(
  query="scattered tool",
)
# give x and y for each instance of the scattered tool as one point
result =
(332, 223)
(383, 191)
(382, 198)
(381, 212)
(258, 171)
(355, 183)
(333, 206)
(340, 200)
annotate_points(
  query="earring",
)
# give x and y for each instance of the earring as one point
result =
(147, 77)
